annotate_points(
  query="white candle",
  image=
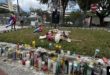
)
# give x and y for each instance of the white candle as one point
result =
(24, 54)
(70, 67)
(0, 52)
(62, 52)
(27, 55)
(27, 63)
(49, 63)
(104, 71)
(68, 52)
(54, 67)
(40, 63)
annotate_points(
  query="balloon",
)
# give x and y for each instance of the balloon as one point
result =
(59, 46)
(56, 46)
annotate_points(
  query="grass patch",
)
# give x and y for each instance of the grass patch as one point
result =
(89, 40)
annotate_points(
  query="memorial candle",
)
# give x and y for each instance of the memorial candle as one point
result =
(33, 43)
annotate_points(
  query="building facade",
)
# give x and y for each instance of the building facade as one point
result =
(6, 5)
(10, 5)
(3, 4)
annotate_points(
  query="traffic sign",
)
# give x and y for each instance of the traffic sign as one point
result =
(93, 7)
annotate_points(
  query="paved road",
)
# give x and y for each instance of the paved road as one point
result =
(2, 72)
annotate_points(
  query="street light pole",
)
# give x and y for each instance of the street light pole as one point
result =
(18, 11)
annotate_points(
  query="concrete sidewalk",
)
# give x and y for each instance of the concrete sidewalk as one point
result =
(2, 72)
(3, 28)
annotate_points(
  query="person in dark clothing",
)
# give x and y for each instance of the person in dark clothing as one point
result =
(55, 17)
(10, 21)
(14, 21)
(21, 21)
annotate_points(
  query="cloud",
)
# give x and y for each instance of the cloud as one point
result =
(27, 4)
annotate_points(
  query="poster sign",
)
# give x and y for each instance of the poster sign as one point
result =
(93, 7)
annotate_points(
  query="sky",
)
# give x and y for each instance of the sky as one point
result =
(26, 4)
(2, 1)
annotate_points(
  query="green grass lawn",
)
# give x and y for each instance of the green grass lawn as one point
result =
(89, 40)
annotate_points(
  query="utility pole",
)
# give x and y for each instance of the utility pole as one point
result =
(18, 10)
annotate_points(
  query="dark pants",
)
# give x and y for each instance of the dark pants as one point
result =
(13, 26)
(22, 23)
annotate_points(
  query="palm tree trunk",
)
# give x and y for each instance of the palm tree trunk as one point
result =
(63, 16)
(102, 21)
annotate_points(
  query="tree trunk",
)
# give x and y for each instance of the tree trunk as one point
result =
(63, 16)
(102, 21)
(90, 21)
